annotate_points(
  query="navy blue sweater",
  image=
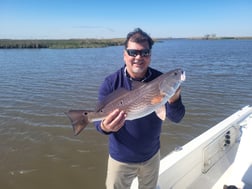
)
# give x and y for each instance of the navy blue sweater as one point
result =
(138, 140)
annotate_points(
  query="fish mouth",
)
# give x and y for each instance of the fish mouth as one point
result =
(183, 76)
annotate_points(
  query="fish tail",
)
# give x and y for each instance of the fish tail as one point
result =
(79, 120)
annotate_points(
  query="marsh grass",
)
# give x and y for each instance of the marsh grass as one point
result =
(60, 44)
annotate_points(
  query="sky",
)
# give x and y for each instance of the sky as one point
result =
(70, 19)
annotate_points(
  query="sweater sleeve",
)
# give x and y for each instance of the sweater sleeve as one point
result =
(175, 111)
(104, 90)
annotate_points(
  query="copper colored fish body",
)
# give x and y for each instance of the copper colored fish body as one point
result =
(142, 100)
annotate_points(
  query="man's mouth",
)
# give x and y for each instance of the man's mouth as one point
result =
(138, 63)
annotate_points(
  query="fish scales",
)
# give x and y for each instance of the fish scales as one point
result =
(142, 100)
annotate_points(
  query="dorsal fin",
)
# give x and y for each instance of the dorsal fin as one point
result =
(136, 84)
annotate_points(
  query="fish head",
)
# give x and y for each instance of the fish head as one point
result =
(171, 81)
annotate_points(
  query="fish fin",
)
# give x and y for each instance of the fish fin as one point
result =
(79, 120)
(136, 84)
(157, 99)
(161, 112)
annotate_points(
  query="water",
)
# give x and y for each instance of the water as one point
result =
(37, 146)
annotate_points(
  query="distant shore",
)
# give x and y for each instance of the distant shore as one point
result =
(84, 43)
(59, 43)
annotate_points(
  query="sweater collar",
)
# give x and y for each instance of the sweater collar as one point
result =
(147, 75)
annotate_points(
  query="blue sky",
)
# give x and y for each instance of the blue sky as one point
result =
(65, 19)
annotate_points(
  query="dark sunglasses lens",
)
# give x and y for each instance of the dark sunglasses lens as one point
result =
(145, 52)
(134, 53)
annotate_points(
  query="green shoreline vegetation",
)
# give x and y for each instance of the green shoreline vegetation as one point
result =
(59, 44)
(84, 43)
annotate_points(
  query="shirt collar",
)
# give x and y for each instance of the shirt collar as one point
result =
(147, 75)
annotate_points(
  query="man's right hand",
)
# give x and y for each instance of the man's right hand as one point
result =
(114, 121)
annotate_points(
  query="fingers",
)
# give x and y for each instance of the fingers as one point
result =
(114, 121)
(175, 97)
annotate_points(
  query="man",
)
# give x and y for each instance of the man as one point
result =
(134, 146)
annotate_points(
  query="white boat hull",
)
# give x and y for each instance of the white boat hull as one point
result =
(220, 156)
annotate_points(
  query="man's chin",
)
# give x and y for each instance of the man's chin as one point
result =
(138, 70)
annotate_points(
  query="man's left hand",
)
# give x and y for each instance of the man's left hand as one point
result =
(175, 97)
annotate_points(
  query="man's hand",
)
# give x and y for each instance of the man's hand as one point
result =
(114, 121)
(175, 97)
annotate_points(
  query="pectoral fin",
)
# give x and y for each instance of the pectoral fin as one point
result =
(157, 99)
(161, 112)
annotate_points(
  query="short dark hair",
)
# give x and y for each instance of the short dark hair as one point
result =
(138, 36)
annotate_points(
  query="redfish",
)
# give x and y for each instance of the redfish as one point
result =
(142, 100)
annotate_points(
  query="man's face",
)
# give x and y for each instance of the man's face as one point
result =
(137, 65)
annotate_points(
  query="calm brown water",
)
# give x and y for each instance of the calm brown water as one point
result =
(37, 146)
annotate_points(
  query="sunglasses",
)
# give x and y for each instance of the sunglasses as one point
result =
(142, 53)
